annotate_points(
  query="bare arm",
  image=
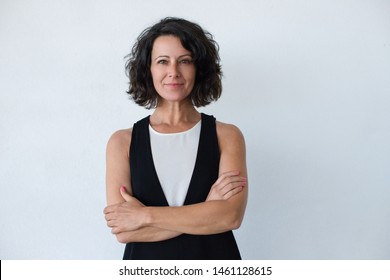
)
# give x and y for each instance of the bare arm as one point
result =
(203, 218)
(117, 175)
(211, 216)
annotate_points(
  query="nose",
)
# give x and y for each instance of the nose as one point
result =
(173, 71)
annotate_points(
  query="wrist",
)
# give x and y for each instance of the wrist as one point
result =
(148, 217)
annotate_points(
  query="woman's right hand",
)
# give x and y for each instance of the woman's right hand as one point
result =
(228, 184)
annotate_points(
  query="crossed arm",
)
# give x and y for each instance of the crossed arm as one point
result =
(223, 209)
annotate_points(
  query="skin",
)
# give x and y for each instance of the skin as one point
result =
(173, 77)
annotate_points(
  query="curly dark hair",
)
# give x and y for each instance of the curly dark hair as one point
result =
(204, 51)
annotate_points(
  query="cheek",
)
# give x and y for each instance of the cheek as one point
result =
(156, 76)
(191, 75)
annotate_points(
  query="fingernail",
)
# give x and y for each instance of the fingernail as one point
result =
(123, 188)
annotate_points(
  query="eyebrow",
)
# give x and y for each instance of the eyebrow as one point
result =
(167, 56)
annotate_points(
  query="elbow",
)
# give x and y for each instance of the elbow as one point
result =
(235, 221)
(236, 224)
(122, 238)
(232, 218)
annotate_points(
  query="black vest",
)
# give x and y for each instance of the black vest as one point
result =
(146, 188)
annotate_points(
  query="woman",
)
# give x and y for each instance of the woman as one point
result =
(176, 181)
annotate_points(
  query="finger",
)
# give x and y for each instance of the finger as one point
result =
(111, 208)
(232, 181)
(108, 210)
(227, 174)
(228, 188)
(126, 196)
(233, 192)
(111, 224)
(230, 173)
(116, 230)
(225, 186)
(109, 217)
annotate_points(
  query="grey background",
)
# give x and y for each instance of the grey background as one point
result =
(307, 82)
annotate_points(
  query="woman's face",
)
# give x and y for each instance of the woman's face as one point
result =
(172, 69)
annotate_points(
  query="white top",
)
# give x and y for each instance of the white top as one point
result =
(174, 156)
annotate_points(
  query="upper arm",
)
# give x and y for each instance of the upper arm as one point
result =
(118, 166)
(232, 148)
(233, 157)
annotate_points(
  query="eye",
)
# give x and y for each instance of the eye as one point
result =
(162, 61)
(185, 61)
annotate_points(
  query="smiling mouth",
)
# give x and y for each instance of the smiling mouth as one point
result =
(174, 85)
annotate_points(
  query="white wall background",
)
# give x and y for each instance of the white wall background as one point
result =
(308, 83)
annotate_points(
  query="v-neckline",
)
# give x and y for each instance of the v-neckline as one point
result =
(196, 165)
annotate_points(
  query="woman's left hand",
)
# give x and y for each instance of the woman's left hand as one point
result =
(227, 185)
(125, 216)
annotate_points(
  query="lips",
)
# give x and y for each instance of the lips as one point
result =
(174, 85)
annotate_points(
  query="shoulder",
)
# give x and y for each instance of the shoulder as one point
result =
(119, 141)
(228, 131)
(121, 136)
(229, 135)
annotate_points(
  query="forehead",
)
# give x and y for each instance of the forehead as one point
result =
(168, 45)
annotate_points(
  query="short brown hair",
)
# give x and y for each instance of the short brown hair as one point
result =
(204, 51)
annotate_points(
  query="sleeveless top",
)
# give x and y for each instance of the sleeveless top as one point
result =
(174, 156)
(146, 188)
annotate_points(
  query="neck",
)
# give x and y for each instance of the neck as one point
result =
(175, 113)
(174, 117)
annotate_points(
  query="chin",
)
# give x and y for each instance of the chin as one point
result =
(174, 97)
